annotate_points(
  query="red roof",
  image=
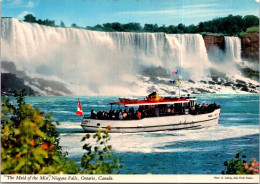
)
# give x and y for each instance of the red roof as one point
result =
(166, 100)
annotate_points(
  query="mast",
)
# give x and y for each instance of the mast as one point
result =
(178, 81)
(179, 86)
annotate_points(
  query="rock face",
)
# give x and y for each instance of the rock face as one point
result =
(212, 41)
(250, 46)
(13, 79)
(10, 82)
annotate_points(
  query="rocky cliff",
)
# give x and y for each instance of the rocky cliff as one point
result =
(250, 46)
(13, 79)
(212, 41)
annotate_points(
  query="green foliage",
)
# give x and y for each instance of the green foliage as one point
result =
(239, 165)
(32, 19)
(132, 27)
(99, 159)
(62, 24)
(74, 25)
(29, 140)
(29, 18)
(230, 25)
(250, 30)
(253, 29)
(250, 21)
(30, 144)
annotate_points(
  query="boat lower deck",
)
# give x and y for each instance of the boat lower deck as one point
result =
(152, 124)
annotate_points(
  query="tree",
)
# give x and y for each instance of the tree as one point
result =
(98, 27)
(151, 28)
(30, 144)
(48, 22)
(116, 26)
(231, 25)
(29, 18)
(250, 21)
(98, 159)
(162, 29)
(191, 29)
(29, 140)
(132, 27)
(181, 28)
(62, 24)
(171, 29)
(108, 27)
(40, 21)
(74, 25)
(201, 27)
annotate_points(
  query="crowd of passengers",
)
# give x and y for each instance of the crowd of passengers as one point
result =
(159, 111)
(116, 114)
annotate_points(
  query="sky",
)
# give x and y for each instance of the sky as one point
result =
(162, 12)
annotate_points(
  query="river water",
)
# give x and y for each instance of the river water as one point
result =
(200, 151)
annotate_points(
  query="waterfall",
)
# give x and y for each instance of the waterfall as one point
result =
(92, 62)
(233, 48)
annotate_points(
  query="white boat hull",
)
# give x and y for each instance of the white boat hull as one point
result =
(153, 124)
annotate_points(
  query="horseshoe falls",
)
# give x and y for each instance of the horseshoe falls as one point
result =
(115, 63)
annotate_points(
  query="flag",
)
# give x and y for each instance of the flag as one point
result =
(172, 81)
(175, 73)
(179, 83)
(79, 110)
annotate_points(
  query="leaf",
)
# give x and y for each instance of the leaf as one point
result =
(86, 137)
(21, 163)
(237, 155)
(87, 147)
(6, 130)
(225, 163)
(83, 139)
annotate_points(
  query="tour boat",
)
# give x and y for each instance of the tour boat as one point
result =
(153, 114)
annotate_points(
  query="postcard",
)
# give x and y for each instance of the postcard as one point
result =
(130, 91)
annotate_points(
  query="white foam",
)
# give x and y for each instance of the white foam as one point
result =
(156, 142)
(99, 63)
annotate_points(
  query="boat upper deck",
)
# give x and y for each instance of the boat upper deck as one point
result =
(163, 101)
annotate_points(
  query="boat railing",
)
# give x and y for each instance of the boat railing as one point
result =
(86, 116)
(179, 111)
(154, 115)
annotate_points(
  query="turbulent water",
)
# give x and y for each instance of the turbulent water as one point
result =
(100, 63)
(200, 151)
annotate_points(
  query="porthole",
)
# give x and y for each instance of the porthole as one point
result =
(98, 124)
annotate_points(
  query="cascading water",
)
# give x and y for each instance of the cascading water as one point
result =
(91, 62)
(101, 63)
(233, 48)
